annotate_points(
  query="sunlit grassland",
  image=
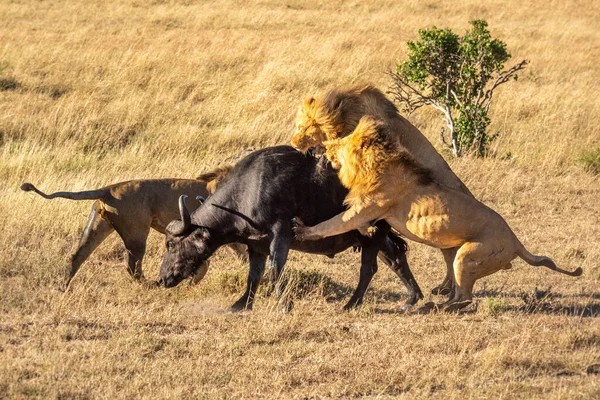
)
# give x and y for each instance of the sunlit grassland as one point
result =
(93, 93)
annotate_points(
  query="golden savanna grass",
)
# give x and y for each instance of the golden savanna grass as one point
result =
(96, 92)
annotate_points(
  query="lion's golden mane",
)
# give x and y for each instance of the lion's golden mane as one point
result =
(337, 114)
(365, 156)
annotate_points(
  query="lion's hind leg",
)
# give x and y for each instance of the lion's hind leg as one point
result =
(446, 288)
(96, 230)
(473, 261)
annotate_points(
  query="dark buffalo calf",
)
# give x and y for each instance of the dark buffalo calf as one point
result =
(255, 205)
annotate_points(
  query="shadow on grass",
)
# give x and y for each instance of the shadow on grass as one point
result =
(544, 301)
(301, 284)
(576, 310)
(534, 302)
(547, 293)
(386, 296)
(305, 283)
(540, 301)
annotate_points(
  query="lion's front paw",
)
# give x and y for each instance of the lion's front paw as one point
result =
(301, 231)
(371, 231)
(368, 230)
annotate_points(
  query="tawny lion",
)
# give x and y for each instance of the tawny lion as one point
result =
(386, 182)
(336, 115)
(132, 208)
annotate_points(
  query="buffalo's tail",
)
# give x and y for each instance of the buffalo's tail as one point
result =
(85, 195)
(398, 241)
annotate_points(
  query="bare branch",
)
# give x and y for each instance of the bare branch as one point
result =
(502, 77)
(442, 137)
(450, 121)
(408, 95)
(460, 104)
(412, 99)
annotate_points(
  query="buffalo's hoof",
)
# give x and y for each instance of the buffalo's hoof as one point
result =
(238, 307)
(235, 309)
(352, 304)
(413, 299)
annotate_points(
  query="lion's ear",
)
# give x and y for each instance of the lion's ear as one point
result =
(309, 101)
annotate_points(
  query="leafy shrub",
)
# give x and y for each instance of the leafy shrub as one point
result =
(457, 75)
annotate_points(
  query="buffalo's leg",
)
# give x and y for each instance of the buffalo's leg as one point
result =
(368, 263)
(368, 268)
(447, 285)
(255, 274)
(281, 238)
(96, 230)
(394, 256)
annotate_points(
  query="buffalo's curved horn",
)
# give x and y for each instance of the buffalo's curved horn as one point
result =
(200, 199)
(183, 211)
(179, 227)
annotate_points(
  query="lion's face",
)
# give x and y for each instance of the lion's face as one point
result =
(309, 133)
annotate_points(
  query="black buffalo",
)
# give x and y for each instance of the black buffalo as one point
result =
(255, 205)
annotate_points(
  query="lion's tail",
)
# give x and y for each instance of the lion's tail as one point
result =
(547, 262)
(85, 195)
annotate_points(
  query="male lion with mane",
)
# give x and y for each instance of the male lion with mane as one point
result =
(336, 114)
(386, 182)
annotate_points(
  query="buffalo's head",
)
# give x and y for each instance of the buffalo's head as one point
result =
(187, 250)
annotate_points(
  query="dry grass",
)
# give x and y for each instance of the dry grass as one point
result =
(96, 92)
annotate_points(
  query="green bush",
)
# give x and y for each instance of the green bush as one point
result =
(457, 75)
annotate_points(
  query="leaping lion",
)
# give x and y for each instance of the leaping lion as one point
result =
(336, 114)
(386, 182)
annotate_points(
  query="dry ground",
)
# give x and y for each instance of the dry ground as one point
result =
(95, 92)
